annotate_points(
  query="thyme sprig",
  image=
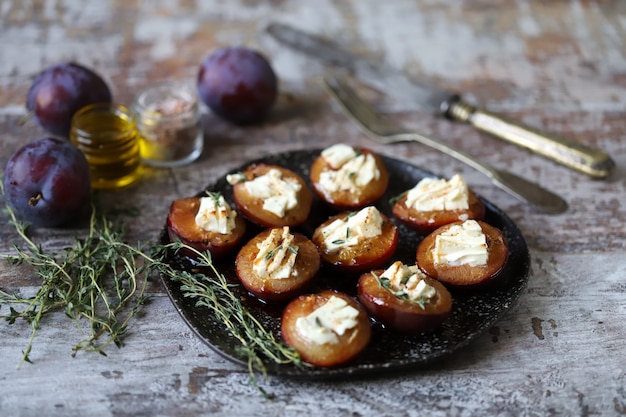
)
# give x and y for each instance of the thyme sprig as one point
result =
(385, 282)
(99, 282)
(213, 291)
(393, 200)
(102, 280)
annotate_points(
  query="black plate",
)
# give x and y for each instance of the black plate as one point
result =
(472, 314)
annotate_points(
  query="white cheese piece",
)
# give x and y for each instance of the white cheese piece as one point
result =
(463, 244)
(236, 178)
(215, 215)
(351, 170)
(432, 194)
(351, 230)
(277, 255)
(338, 154)
(408, 281)
(278, 194)
(324, 324)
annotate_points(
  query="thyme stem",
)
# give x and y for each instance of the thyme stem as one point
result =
(213, 291)
(102, 279)
(96, 279)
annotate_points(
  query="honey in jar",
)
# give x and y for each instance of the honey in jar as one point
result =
(107, 135)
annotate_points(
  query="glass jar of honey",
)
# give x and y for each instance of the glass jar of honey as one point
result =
(107, 135)
(169, 123)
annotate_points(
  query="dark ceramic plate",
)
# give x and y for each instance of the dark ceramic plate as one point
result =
(472, 314)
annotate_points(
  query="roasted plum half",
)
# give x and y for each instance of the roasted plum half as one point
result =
(182, 225)
(349, 178)
(436, 214)
(412, 303)
(277, 265)
(271, 196)
(355, 242)
(327, 329)
(454, 264)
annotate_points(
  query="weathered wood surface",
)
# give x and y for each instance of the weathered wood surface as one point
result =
(558, 65)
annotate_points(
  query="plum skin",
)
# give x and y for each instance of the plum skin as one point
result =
(464, 276)
(61, 90)
(47, 182)
(370, 254)
(351, 343)
(345, 199)
(252, 207)
(238, 84)
(304, 271)
(181, 225)
(426, 222)
(403, 315)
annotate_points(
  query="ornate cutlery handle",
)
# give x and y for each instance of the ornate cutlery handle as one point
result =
(590, 161)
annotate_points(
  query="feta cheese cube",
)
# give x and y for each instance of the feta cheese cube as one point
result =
(278, 194)
(215, 215)
(277, 255)
(462, 244)
(432, 194)
(351, 230)
(324, 324)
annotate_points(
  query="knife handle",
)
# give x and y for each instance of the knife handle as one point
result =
(585, 159)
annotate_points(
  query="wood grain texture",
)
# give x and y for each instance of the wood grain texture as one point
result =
(558, 65)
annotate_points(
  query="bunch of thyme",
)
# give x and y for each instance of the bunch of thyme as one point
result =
(102, 280)
(99, 282)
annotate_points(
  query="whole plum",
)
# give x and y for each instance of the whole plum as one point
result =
(60, 90)
(47, 182)
(238, 84)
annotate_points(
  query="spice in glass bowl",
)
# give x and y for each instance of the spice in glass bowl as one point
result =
(169, 123)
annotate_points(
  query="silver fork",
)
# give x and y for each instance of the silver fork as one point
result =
(382, 130)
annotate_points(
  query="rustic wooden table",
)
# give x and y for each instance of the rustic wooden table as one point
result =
(559, 65)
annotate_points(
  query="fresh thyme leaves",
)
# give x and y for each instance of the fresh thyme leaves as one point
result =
(215, 196)
(99, 282)
(405, 279)
(236, 178)
(385, 282)
(395, 199)
(214, 292)
(421, 301)
(269, 255)
(102, 280)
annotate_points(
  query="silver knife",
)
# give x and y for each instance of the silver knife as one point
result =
(585, 159)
